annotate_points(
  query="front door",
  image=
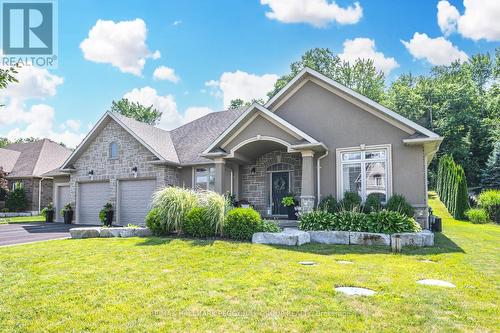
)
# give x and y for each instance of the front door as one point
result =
(280, 187)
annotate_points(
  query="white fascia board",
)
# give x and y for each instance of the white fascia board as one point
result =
(351, 92)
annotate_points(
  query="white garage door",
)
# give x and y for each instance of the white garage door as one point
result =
(62, 200)
(135, 200)
(92, 197)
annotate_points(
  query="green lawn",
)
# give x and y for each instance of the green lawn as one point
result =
(184, 285)
(22, 219)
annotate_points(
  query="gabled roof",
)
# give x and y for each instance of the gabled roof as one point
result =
(156, 140)
(257, 108)
(8, 159)
(35, 158)
(345, 92)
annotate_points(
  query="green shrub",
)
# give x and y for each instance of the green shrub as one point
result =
(477, 215)
(45, 210)
(372, 203)
(16, 200)
(349, 221)
(197, 223)
(329, 204)
(173, 204)
(390, 222)
(153, 222)
(268, 226)
(398, 203)
(490, 201)
(351, 201)
(317, 220)
(451, 186)
(106, 211)
(242, 223)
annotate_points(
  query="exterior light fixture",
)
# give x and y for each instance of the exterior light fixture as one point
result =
(91, 174)
(134, 171)
(252, 171)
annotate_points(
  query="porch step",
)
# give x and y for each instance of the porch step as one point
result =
(294, 224)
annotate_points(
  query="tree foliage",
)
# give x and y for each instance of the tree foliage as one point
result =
(238, 103)
(145, 114)
(16, 200)
(452, 187)
(4, 185)
(361, 76)
(490, 177)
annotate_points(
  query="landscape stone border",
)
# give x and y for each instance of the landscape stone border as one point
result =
(293, 237)
(99, 232)
(17, 214)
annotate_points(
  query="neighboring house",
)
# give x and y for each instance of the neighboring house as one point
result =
(28, 163)
(314, 138)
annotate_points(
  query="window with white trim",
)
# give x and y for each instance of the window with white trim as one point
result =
(204, 178)
(365, 172)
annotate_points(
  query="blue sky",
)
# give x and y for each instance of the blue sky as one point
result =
(222, 49)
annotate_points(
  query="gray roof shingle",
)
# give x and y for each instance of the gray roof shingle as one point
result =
(8, 159)
(37, 158)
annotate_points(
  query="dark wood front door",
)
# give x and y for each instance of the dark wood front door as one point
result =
(280, 187)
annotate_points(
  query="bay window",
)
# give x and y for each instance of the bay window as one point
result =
(204, 179)
(364, 171)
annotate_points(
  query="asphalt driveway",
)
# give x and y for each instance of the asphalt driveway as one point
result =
(19, 233)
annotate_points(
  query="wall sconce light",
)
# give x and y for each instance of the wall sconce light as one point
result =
(252, 171)
(134, 171)
(91, 174)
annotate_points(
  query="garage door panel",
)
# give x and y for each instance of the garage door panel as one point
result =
(92, 197)
(62, 200)
(135, 200)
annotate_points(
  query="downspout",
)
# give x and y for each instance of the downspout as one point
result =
(40, 194)
(319, 176)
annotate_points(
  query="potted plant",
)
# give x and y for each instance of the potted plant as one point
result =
(67, 214)
(106, 214)
(48, 212)
(290, 203)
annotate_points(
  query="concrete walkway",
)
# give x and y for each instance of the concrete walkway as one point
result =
(21, 233)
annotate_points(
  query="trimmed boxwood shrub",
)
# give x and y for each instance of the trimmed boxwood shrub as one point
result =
(242, 223)
(196, 223)
(398, 203)
(329, 204)
(390, 222)
(351, 201)
(372, 203)
(317, 220)
(477, 215)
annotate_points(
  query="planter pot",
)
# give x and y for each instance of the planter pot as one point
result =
(108, 218)
(68, 216)
(49, 216)
(292, 214)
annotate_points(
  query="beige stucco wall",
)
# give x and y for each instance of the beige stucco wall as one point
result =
(339, 124)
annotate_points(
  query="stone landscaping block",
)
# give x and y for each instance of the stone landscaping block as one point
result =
(288, 237)
(408, 239)
(110, 232)
(329, 237)
(79, 233)
(368, 238)
(142, 232)
(427, 238)
(127, 232)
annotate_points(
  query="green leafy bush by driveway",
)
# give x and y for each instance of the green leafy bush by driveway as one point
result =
(242, 223)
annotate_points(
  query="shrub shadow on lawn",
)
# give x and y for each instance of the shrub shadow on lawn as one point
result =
(442, 245)
(151, 241)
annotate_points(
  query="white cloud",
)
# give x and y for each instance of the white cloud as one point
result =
(242, 85)
(315, 12)
(479, 21)
(39, 120)
(195, 112)
(177, 22)
(72, 124)
(121, 44)
(447, 17)
(437, 51)
(165, 73)
(34, 82)
(364, 48)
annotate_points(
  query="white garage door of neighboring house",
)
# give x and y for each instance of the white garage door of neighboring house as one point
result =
(61, 201)
(135, 200)
(91, 197)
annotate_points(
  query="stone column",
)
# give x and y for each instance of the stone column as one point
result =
(236, 181)
(307, 194)
(220, 174)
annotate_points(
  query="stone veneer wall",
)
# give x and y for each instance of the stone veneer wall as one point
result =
(255, 188)
(131, 153)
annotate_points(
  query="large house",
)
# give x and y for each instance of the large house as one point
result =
(32, 164)
(314, 138)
